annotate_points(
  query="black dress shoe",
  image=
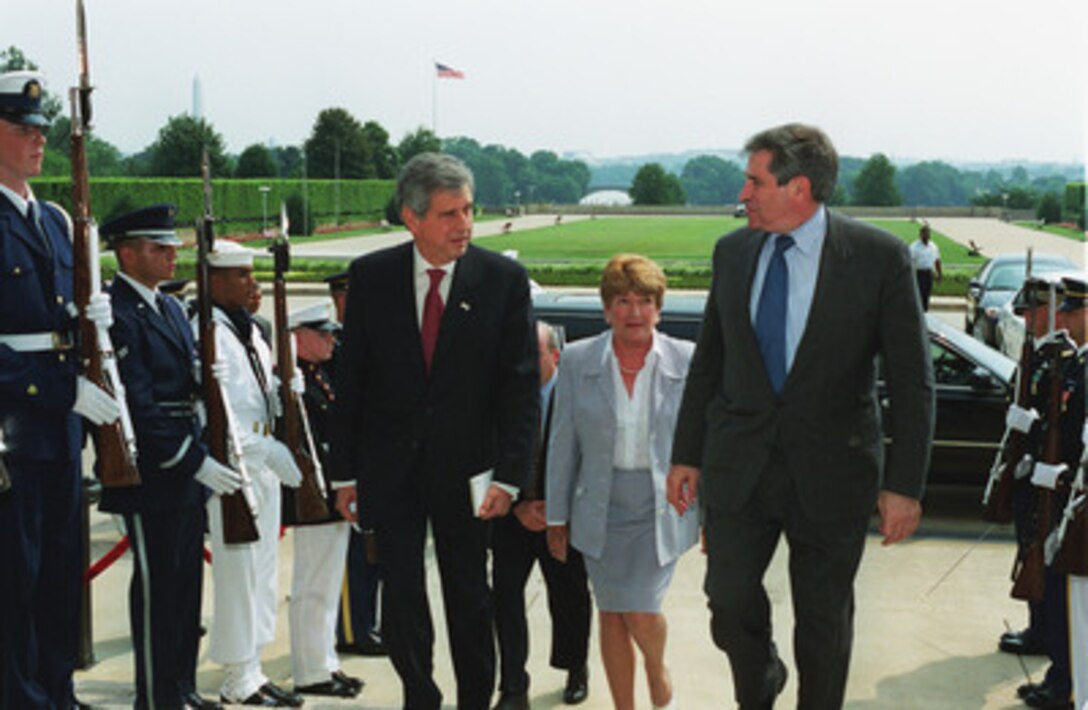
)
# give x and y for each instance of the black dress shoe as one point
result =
(513, 701)
(577, 688)
(285, 697)
(1048, 698)
(193, 700)
(777, 677)
(258, 698)
(1027, 689)
(1022, 643)
(333, 687)
(351, 680)
(369, 645)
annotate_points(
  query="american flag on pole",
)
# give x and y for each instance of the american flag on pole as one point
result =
(445, 72)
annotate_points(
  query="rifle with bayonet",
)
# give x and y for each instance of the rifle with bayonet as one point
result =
(1029, 569)
(292, 428)
(115, 443)
(997, 498)
(1071, 535)
(239, 522)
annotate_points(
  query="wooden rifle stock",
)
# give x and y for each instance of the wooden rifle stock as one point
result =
(239, 523)
(310, 502)
(114, 443)
(1029, 570)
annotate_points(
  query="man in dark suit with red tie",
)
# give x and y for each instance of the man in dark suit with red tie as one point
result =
(436, 387)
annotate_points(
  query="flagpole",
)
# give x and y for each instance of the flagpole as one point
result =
(434, 97)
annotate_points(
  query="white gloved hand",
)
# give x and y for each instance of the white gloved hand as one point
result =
(282, 463)
(221, 371)
(94, 403)
(217, 477)
(1020, 419)
(298, 382)
(99, 311)
(1046, 475)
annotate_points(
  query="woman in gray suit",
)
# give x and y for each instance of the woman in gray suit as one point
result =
(615, 409)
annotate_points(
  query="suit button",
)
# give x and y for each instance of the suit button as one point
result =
(62, 358)
(60, 300)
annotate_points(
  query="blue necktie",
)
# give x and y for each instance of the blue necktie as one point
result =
(771, 315)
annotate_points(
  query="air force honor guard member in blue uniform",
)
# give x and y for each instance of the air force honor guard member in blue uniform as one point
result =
(164, 515)
(42, 397)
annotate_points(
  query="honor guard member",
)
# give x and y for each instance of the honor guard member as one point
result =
(164, 515)
(245, 575)
(357, 627)
(1074, 318)
(1051, 346)
(320, 547)
(42, 397)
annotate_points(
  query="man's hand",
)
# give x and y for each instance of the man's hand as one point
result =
(346, 503)
(558, 539)
(681, 487)
(496, 503)
(530, 513)
(899, 516)
(94, 404)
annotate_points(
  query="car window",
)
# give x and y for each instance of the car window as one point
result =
(949, 367)
(1007, 277)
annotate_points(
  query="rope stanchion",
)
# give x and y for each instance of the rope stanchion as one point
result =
(107, 559)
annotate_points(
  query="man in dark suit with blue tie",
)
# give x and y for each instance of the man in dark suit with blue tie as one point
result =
(164, 515)
(436, 390)
(780, 428)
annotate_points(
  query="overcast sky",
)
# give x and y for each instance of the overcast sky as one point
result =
(957, 80)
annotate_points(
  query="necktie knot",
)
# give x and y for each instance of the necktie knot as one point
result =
(782, 243)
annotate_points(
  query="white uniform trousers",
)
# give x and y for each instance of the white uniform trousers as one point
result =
(244, 582)
(316, 580)
(1078, 638)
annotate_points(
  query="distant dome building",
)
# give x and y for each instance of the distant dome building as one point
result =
(606, 197)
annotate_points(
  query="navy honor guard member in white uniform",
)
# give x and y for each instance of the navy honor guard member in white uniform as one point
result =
(245, 576)
(164, 515)
(41, 399)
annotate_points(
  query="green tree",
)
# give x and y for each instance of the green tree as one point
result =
(288, 161)
(178, 149)
(932, 183)
(710, 180)
(874, 185)
(654, 186)
(382, 158)
(421, 140)
(255, 162)
(1050, 208)
(337, 146)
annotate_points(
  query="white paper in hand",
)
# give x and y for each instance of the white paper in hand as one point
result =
(477, 488)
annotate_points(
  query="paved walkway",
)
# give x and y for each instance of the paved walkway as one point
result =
(997, 237)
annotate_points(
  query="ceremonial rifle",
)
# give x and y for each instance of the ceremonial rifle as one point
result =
(293, 427)
(997, 498)
(1071, 535)
(5, 477)
(1029, 570)
(115, 442)
(239, 522)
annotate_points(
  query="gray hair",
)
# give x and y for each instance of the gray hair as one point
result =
(798, 149)
(427, 172)
(551, 336)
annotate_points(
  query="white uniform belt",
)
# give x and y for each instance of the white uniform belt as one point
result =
(36, 342)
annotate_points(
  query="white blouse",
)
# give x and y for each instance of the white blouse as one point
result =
(632, 447)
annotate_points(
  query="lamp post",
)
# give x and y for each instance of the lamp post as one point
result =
(517, 202)
(264, 208)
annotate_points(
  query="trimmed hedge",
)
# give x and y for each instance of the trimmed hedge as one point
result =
(237, 203)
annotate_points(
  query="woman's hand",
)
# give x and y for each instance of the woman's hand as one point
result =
(558, 539)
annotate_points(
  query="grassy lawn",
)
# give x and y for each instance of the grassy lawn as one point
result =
(573, 253)
(1062, 231)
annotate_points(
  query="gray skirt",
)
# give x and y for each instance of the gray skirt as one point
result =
(627, 576)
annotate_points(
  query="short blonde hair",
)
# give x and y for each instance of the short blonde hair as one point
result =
(632, 272)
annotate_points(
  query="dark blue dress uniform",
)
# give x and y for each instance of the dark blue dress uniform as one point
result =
(164, 515)
(40, 529)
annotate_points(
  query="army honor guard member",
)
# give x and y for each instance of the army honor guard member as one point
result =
(164, 515)
(42, 397)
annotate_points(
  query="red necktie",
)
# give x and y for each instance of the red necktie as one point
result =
(432, 316)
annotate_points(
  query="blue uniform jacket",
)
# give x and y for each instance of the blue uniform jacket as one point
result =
(156, 356)
(37, 389)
